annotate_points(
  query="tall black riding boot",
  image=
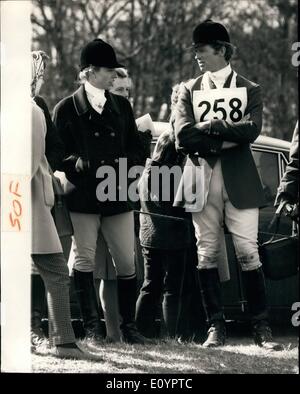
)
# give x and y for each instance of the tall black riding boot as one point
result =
(255, 287)
(211, 297)
(84, 286)
(127, 300)
(38, 299)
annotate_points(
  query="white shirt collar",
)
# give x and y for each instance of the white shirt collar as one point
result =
(95, 96)
(219, 77)
(93, 91)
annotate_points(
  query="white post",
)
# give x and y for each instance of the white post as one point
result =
(15, 185)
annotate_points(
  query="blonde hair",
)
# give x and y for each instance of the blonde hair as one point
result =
(122, 72)
(84, 74)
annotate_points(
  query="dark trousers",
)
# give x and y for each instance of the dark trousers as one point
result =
(165, 275)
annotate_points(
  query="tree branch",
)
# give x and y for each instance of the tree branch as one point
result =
(112, 17)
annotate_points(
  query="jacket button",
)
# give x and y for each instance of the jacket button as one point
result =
(113, 134)
(102, 161)
(116, 160)
(97, 134)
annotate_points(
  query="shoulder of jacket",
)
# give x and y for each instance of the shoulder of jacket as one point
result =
(64, 104)
(192, 83)
(242, 81)
(40, 101)
(36, 109)
(120, 100)
(117, 98)
(38, 118)
(120, 103)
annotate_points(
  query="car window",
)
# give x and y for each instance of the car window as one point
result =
(268, 168)
(267, 165)
(283, 161)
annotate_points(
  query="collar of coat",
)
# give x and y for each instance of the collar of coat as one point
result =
(193, 84)
(82, 104)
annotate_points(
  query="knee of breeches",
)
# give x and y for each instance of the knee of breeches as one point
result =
(84, 264)
(249, 262)
(207, 262)
(125, 268)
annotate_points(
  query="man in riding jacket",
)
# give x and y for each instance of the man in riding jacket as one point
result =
(219, 115)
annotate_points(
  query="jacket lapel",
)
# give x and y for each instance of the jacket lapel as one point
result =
(228, 81)
(81, 102)
(112, 102)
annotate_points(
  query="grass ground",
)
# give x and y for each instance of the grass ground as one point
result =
(238, 356)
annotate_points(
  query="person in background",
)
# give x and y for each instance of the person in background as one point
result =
(98, 128)
(54, 145)
(46, 251)
(54, 151)
(122, 85)
(165, 242)
(218, 115)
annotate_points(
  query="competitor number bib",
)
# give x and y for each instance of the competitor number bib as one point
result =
(226, 104)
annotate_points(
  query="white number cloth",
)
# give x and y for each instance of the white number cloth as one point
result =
(227, 104)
